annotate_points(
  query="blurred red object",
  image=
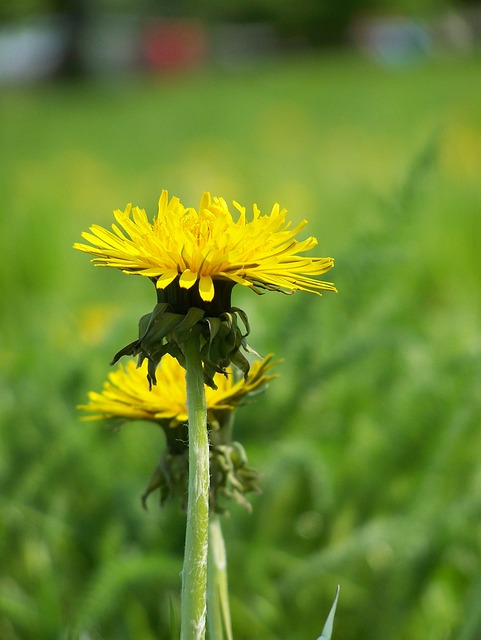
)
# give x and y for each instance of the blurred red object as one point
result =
(174, 44)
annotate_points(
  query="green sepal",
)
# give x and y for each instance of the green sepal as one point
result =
(161, 325)
(131, 349)
(231, 477)
(154, 358)
(144, 323)
(163, 331)
(183, 330)
(240, 362)
(244, 318)
(214, 325)
(170, 477)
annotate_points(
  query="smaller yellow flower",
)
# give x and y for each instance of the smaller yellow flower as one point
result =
(126, 394)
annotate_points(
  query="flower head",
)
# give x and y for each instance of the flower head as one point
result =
(195, 258)
(126, 397)
(200, 248)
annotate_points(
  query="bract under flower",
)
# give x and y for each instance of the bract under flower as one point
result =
(164, 332)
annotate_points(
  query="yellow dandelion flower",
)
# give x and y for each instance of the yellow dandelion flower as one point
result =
(198, 249)
(195, 258)
(127, 396)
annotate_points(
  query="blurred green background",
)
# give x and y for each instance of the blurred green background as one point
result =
(369, 443)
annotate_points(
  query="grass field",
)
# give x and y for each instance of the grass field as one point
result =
(369, 443)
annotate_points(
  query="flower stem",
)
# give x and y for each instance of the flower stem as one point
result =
(194, 573)
(218, 612)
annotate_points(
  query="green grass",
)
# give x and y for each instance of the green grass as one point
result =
(369, 444)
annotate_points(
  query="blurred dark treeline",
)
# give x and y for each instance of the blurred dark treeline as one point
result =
(316, 22)
(68, 38)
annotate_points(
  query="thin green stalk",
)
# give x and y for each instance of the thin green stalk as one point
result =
(218, 611)
(194, 573)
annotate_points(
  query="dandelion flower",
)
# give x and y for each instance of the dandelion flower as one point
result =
(200, 248)
(126, 394)
(195, 258)
(126, 397)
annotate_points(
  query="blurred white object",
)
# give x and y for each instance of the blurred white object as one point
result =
(31, 50)
(392, 40)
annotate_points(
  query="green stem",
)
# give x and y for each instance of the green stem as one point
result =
(194, 573)
(218, 612)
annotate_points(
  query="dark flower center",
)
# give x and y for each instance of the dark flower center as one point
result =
(181, 300)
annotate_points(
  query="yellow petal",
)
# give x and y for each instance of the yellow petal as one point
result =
(204, 201)
(166, 278)
(206, 288)
(188, 279)
(261, 251)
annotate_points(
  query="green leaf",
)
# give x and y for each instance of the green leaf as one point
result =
(327, 630)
